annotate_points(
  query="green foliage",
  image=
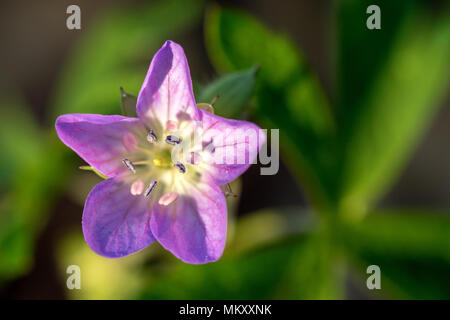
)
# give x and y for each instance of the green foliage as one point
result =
(345, 153)
(116, 51)
(16, 145)
(30, 159)
(288, 94)
(362, 52)
(35, 185)
(411, 247)
(266, 258)
(230, 278)
(389, 85)
(234, 90)
(380, 133)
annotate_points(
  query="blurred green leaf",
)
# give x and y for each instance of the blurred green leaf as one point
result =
(265, 245)
(267, 226)
(363, 52)
(229, 278)
(235, 90)
(20, 138)
(403, 99)
(288, 94)
(412, 249)
(116, 51)
(32, 169)
(123, 279)
(291, 269)
(315, 271)
(236, 41)
(25, 206)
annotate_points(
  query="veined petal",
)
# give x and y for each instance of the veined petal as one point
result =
(194, 226)
(166, 95)
(230, 146)
(115, 222)
(102, 141)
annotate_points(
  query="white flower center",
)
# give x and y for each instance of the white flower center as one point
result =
(163, 165)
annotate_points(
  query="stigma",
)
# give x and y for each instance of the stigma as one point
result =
(172, 140)
(151, 136)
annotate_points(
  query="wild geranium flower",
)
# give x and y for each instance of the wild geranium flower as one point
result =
(162, 184)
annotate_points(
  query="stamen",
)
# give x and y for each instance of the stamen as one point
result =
(171, 125)
(168, 198)
(150, 188)
(180, 167)
(151, 136)
(137, 188)
(129, 165)
(209, 146)
(172, 140)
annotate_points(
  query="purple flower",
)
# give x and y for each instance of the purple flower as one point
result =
(165, 168)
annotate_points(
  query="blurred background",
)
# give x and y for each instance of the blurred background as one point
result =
(364, 122)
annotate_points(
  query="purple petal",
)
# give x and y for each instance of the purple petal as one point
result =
(102, 141)
(194, 226)
(115, 222)
(231, 146)
(166, 94)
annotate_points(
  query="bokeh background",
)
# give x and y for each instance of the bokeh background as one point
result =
(364, 124)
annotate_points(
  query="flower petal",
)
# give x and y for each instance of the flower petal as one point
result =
(194, 226)
(166, 95)
(231, 146)
(116, 222)
(102, 141)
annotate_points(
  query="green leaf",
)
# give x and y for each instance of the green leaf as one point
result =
(274, 245)
(234, 90)
(393, 117)
(116, 50)
(288, 95)
(411, 247)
